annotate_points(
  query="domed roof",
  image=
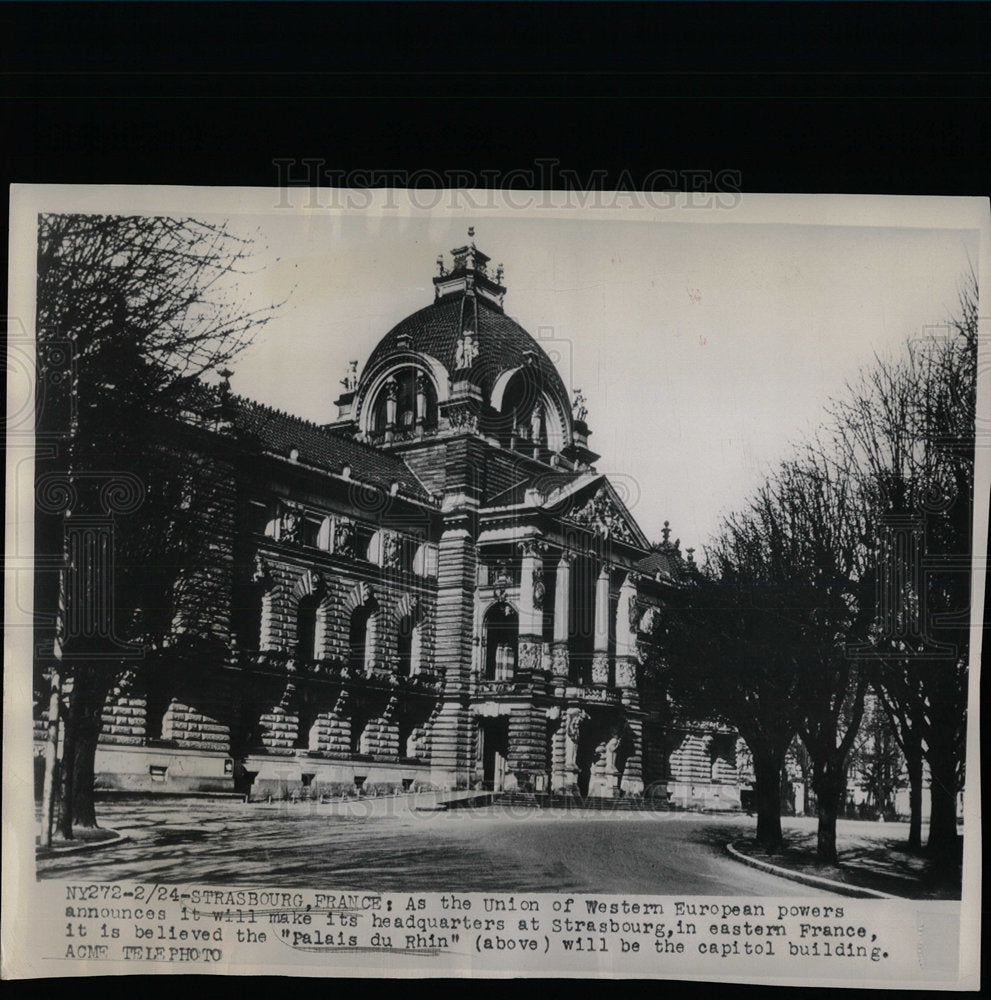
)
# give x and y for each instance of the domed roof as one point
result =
(502, 343)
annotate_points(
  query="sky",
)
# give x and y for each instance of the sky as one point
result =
(705, 352)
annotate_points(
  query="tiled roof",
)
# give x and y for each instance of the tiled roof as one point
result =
(668, 564)
(501, 341)
(548, 484)
(279, 432)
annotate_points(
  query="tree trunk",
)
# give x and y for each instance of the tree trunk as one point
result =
(50, 790)
(913, 762)
(68, 770)
(83, 805)
(82, 732)
(767, 794)
(943, 843)
(829, 791)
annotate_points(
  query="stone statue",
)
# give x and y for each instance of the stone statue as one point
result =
(350, 380)
(467, 351)
(290, 526)
(392, 550)
(344, 538)
(535, 423)
(579, 408)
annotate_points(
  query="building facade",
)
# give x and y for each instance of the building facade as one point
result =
(436, 590)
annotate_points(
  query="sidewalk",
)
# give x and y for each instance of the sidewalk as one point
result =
(83, 840)
(881, 864)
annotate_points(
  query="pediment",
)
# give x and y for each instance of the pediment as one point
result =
(599, 508)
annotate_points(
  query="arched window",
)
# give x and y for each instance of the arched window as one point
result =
(306, 628)
(247, 615)
(409, 382)
(521, 415)
(408, 646)
(361, 637)
(158, 700)
(501, 629)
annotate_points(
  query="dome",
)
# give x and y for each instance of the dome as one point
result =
(464, 349)
(502, 343)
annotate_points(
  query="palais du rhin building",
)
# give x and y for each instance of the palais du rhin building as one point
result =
(436, 590)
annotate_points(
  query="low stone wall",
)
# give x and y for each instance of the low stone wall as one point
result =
(310, 778)
(162, 769)
(703, 795)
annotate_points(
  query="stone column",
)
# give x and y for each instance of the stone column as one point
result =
(600, 657)
(562, 606)
(531, 605)
(627, 632)
(391, 395)
(527, 759)
(631, 782)
(451, 736)
(421, 402)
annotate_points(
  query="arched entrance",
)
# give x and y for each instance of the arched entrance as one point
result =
(493, 736)
(586, 756)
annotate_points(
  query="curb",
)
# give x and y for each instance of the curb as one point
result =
(118, 838)
(841, 888)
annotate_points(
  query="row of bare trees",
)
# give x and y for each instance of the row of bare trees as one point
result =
(849, 570)
(133, 313)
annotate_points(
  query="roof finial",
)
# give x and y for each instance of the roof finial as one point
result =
(666, 532)
(471, 232)
(225, 385)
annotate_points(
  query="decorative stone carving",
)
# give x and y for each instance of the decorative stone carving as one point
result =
(290, 525)
(539, 589)
(573, 722)
(344, 537)
(503, 581)
(560, 659)
(529, 656)
(602, 515)
(626, 673)
(600, 668)
(633, 610)
(392, 548)
(463, 420)
(262, 573)
(650, 621)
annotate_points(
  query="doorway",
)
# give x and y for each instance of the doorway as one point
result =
(494, 736)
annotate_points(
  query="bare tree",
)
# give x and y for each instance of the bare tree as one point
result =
(876, 760)
(144, 308)
(811, 525)
(907, 430)
(720, 641)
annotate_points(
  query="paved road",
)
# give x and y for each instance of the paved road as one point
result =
(396, 849)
